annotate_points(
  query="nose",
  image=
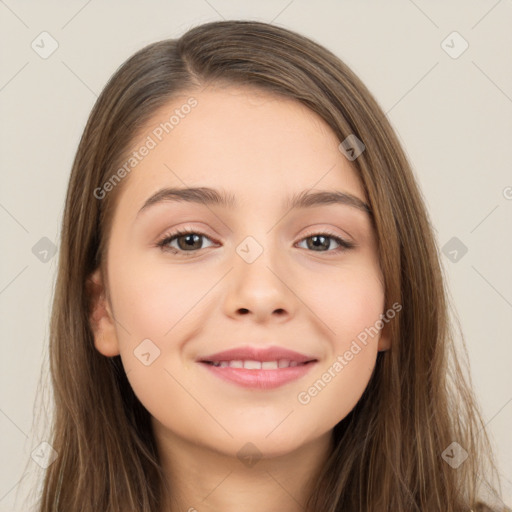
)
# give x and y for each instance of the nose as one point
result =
(260, 289)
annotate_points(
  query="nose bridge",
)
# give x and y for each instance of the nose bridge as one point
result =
(258, 258)
(258, 239)
(259, 276)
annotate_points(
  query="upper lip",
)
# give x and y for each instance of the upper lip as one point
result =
(247, 353)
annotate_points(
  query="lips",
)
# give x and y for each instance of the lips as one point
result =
(262, 355)
(263, 368)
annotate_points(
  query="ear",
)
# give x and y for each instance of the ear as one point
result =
(101, 318)
(384, 339)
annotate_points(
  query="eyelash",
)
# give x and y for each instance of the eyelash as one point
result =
(344, 245)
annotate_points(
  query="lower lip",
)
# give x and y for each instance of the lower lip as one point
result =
(260, 379)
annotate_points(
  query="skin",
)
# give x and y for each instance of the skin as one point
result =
(262, 149)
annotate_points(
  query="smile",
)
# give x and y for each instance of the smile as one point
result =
(256, 365)
(258, 374)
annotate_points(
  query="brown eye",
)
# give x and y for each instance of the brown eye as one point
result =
(317, 242)
(186, 240)
(190, 241)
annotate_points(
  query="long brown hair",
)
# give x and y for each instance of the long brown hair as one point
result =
(388, 452)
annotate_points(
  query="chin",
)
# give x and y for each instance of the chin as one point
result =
(264, 445)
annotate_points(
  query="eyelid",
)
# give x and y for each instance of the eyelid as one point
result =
(331, 233)
(164, 240)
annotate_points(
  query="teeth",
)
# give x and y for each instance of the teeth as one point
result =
(257, 365)
(252, 365)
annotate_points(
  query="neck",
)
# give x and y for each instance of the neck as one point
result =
(201, 479)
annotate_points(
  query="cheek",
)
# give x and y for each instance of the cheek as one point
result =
(156, 309)
(348, 303)
(338, 385)
(349, 307)
(155, 302)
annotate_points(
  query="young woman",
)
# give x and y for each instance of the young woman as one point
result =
(250, 312)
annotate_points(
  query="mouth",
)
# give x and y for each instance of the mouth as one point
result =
(258, 368)
(258, 365)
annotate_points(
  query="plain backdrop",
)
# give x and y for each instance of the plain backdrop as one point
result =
(448, 96)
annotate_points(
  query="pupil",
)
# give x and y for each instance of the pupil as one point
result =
(317, 243)
(190, 239)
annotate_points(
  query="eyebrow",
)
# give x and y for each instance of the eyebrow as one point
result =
(211, 196)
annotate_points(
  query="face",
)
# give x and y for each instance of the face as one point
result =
(251, 275)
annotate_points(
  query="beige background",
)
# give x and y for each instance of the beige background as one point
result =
(453, 115)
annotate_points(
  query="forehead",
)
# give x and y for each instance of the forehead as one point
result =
(254, 144)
